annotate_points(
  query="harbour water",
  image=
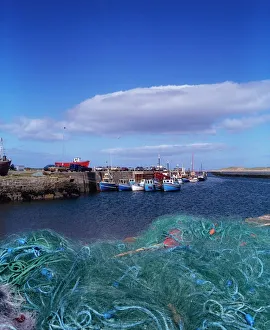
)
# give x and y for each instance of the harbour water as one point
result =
(121, 214)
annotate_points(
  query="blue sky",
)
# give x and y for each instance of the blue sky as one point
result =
(133, 79)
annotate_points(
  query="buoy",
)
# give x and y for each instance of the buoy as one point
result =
(173, 238)
(129, 240)
(212, 231)
(20, 319)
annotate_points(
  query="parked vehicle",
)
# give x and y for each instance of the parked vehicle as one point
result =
(139, 168)
(100, 168)
(124, 169)
(79, 168)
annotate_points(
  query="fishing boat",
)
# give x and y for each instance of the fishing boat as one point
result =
(76, 161)
(202, 177)
(4, 161)
(177, 178)
(158, 185)
(125, 184)
(171, 185)
(137, 187)
(149, 185)
(107, 183)
(185, 180)
(193, 180)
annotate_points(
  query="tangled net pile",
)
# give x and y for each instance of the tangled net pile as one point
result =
(182, 273)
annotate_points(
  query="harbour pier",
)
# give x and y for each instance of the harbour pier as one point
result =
(263, 173)
(34, 185)
(40, 185)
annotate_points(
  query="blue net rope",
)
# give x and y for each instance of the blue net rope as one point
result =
(182, 273)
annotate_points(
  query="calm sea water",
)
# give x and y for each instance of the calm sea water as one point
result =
(122, 214)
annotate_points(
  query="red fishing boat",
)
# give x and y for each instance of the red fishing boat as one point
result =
(76, 161)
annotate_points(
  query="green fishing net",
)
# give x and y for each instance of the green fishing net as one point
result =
(182, 273)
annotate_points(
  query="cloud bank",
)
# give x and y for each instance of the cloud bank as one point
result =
(165, 150)
(158, 110)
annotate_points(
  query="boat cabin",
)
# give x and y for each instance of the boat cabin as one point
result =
(107, 177)
(170, 181)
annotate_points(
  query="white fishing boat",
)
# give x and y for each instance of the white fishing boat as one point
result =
(137, 187)
(202, 176)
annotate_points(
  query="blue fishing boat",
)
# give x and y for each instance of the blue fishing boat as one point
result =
(107, 183)
(149, 185)
(158, 185)
(171, 185)
(125, 184)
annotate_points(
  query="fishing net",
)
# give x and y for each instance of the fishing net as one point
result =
(182, 273)
(11, 316)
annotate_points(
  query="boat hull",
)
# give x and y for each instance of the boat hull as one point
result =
(185, 180)
(201, 178)
(107, 186)
(149, 187)
(67, 164)
(4, 167)
(136, 187)
(158, 186)
(171, 187)
(124, 187)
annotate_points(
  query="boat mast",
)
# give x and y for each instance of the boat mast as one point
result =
(168, 168)
(111, 159)
(2, 150)
(63, 147)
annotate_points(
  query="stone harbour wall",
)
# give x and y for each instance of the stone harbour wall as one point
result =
(27, 186)
(117, 175)
(39, 185)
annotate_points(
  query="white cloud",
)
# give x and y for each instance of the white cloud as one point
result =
(165, 150)
(155, 110)
(237, 124)
(39, 129)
